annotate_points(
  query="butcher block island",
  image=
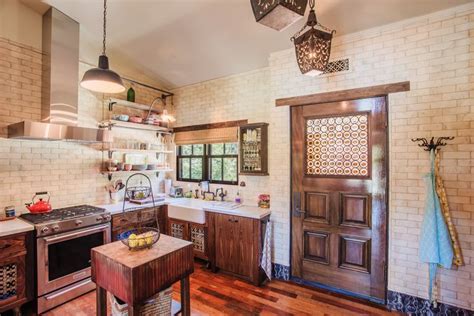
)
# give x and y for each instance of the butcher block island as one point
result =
(136, 276)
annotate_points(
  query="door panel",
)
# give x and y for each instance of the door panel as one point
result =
(339, 184)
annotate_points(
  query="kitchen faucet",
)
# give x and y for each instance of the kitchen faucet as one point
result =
(222, 194)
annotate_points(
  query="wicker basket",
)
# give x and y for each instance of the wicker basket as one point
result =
(158, 305)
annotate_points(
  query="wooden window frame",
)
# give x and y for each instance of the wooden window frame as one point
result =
(206, 168)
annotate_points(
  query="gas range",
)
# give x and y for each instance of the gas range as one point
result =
(66, 219)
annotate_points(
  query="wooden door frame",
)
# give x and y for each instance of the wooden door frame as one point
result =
(338, 96)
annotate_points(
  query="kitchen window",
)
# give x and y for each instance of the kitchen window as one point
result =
(217, 163)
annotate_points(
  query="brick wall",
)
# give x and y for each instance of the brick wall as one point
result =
(435, 53)
(69, 171)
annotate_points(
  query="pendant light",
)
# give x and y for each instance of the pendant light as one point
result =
(102, 79)
(313, 47)
(278, 14)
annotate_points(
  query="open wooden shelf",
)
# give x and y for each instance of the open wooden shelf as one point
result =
(140, 126)
(139, 151)
(110, 174)
(132, 105)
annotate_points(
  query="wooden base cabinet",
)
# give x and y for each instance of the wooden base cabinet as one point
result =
(235, 245)
(16, 274)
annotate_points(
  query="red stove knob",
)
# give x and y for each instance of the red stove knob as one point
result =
(78, 222)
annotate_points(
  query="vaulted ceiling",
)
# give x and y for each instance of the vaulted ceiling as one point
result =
(180, 42)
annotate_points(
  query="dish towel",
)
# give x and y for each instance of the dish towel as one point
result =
(458, 259)
(266, 262)
(435, 242)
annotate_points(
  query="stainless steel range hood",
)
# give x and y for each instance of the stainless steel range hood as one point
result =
(60, 84)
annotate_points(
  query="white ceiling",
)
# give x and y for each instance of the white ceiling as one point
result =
(180, 42)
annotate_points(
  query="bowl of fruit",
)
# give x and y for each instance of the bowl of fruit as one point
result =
(140, 238)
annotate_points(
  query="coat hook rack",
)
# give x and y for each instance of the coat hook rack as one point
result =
(432, 144)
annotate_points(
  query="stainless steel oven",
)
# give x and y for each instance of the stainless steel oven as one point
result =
(64, 264)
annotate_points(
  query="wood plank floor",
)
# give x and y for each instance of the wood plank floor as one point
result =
(220, 294)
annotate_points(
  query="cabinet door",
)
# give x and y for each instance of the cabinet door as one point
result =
(226, 243)
(178, 229)
(244, 236)
(12, 279)
(198, 236)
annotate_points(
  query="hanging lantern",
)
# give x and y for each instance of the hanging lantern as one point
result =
(278, 14)
(313, 47)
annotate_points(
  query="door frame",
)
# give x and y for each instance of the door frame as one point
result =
(338, 96)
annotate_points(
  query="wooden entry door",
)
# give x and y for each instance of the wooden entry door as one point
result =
(339, 195)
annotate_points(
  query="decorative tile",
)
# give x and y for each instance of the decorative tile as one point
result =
(413, 305)
(281, 272)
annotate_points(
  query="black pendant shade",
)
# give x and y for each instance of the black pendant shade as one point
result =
(278, 14)
(102, 79)
(313, 47)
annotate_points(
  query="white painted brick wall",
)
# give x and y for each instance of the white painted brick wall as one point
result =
(69, 171)
(436, 54)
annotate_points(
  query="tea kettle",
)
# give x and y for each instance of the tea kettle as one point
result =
(39, 206)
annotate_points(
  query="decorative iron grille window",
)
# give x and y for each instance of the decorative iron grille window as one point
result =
(216, 163)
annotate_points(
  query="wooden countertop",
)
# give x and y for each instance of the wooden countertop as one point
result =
(118, 252)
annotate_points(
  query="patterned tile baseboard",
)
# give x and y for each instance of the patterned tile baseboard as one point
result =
(280, 271)
(413, 305)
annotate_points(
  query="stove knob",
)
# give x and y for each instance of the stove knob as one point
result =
(55, 228)
(44, 230)
(99, 218)
(78, 222)
(106, 217)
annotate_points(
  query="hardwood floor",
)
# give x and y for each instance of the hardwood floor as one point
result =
(220, 294)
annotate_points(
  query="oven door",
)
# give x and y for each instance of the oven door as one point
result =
(65, 258)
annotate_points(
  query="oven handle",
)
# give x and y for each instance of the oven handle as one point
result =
(79, 284)
(76, 234)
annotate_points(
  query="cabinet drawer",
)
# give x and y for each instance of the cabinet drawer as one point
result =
(124, 219)
(147, 215)
(11, 246)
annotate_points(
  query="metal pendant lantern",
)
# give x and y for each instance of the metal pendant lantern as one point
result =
(313, 47)
(102, 79)
(278, 14)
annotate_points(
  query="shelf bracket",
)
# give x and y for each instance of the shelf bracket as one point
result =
(111, 106)
(109, 176)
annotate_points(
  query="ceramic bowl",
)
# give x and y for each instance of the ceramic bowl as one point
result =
(123, 117)
(139, 167)
(135, 119)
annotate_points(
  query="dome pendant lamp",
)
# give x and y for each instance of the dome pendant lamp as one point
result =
(102, 79)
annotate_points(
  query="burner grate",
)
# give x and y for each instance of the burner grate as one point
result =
(63, 214)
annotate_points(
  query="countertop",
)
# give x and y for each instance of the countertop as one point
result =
(210, 206)
(14, 226)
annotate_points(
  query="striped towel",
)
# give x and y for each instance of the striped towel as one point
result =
(435, 242)
(266, 262)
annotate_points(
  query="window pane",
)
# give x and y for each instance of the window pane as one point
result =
(217, 149)
(196, 168)
(231, 149)
(184, 168)
(198, 150)
(230, 169)
(186, 150)
(216, 168)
